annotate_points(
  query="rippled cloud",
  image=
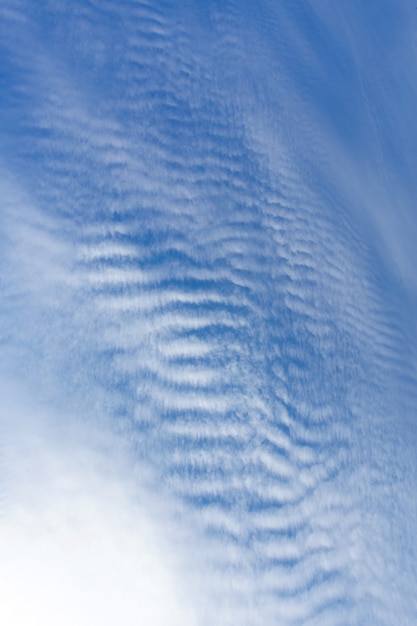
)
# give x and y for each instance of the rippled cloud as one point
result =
(208, 300)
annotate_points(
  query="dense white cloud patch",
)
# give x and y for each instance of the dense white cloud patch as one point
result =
(78, 539)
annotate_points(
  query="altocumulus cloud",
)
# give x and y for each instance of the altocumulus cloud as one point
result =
(208, 313)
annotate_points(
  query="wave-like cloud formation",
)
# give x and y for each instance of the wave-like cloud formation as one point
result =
(207, 234)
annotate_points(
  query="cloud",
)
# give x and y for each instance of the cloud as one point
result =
(78, 541)
(206, 334)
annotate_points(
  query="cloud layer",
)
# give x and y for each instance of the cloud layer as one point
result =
(207, 234)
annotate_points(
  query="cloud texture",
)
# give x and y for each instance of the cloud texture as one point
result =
(208, 314)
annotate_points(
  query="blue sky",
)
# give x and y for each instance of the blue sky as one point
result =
(208, 304)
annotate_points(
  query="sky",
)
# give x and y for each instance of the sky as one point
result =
(208, 306)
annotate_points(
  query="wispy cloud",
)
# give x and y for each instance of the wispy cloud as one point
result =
(200, 303)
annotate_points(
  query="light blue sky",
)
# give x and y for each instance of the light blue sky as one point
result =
(208, 305)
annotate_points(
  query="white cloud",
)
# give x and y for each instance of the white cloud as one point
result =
(79, 543)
